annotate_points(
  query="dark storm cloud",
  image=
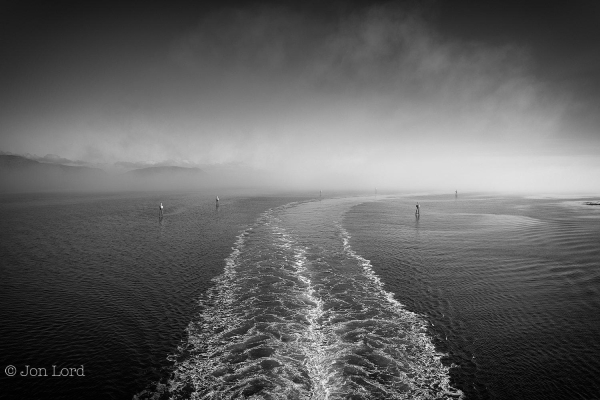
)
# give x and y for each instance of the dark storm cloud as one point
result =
(308, 94)
(380, 48)
(381, 52)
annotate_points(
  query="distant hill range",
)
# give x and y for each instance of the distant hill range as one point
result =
(21, 174)
(149, 172)
(31, 174)
(19, 163)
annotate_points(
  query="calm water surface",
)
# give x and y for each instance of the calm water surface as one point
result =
(354, 297)
(100, 281)
(510, 287)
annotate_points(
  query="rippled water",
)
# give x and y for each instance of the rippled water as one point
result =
(511, 287)
(356, 297)
(298, 314)
(100, 281)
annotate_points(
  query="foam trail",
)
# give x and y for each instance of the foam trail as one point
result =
(297, 314)
(428, 359)
(314, 351)
(255, 333)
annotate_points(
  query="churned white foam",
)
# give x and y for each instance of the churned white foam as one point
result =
(313, 342)
(315, 351)
(368, 270)
(422, 363)
(230, 261)
(298, 314)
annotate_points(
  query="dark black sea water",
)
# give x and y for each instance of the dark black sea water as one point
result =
(100, 281)
(478, 297)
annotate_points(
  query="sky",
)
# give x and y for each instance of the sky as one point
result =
(434, 95)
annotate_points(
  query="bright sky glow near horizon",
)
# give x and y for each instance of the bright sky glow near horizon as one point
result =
(435, 96)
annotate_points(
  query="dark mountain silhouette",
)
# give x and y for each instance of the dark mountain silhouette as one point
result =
(19, 173)
(164, 170)
(23, 174)
(16, 163)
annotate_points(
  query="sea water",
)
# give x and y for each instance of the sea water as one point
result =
(100, 280)
(298, 314)
(510, 287)
(349, 297)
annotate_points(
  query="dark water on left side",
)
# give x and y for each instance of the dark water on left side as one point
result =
(100, 281)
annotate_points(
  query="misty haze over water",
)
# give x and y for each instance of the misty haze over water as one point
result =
(358, 199)
(351, 95)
